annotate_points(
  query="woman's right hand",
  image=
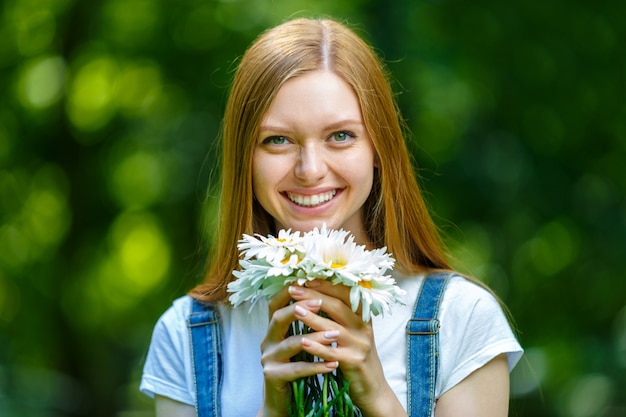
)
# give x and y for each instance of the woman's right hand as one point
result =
(277, 350)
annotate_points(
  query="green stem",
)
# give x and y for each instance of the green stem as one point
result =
(325, 396)
(296, 397)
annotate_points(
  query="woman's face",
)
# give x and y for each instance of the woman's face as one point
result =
(313, 161)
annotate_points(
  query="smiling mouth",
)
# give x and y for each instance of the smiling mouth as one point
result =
(311, 200)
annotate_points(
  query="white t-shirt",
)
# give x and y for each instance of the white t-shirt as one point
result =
(473, 331)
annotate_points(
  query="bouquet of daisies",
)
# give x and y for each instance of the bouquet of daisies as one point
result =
(270, 263)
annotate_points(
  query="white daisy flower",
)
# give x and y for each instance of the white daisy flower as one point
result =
(271, 248)
(269, 264)
(375, 294)
(249, 282)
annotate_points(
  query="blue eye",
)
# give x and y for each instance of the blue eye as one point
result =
(342, 136)
(275, 140)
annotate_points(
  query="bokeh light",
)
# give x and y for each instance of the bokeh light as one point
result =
(588, 396)
(38, 220)
(138, 88)
(42, 82)
(138, 179)
(92, 95)
(142, 252)
(555, 246)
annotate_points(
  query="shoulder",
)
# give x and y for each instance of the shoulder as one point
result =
(180, 308)
(171, 330)
(167, 368)
(474, 330)
(463, 295)
(468, 309)
(174, 319)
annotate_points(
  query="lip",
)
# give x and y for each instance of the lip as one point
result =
(311, 199)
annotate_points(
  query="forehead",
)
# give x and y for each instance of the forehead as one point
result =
(314, 95)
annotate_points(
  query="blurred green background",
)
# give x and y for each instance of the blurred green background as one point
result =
(109, 110)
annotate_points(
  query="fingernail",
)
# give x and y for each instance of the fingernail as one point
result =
(294, 290)
(300, 311)
(331, 334)
(314, 303)
(331, 365)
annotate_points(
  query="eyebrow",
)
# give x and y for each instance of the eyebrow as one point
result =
(332, 126)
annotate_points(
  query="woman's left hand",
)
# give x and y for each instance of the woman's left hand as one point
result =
(355, 349)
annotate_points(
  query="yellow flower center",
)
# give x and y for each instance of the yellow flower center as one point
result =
(366, 284)
(287, 258)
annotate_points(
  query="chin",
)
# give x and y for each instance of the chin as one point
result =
(307, 226)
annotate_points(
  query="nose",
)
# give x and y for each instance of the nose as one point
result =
(311, 166)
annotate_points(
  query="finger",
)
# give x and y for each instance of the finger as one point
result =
(351, 352)
(279, 300)
(328, 333)
(336, 308)
(322, 344)
(326, 287)
(341, 292)
(283, 353)
(281, 319)
(282, 350)
(325, 338)
(290, 371)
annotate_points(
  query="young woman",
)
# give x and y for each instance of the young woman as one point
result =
(311, 136)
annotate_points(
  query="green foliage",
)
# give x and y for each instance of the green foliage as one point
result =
(109, 113)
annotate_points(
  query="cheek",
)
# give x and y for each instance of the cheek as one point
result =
(359, 166)
(257, 179)
(264, 177)
(367, 175)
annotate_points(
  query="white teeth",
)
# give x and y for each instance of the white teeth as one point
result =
(311, 200)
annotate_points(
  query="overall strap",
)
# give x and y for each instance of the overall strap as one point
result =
(206, 355)
(423, 346)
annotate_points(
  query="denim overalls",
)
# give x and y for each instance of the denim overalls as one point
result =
(422, 351)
